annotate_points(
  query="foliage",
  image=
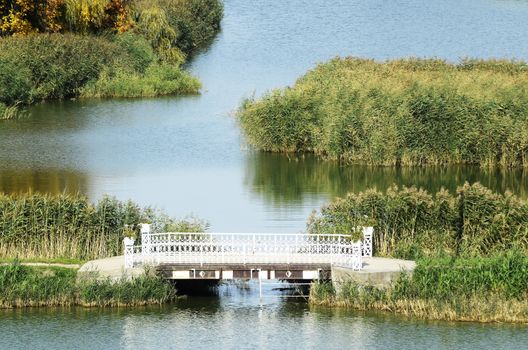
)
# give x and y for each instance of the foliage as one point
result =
(401, 112)
(53, 286)
(137, 54)
(23, 17)
(52, 66)
(64, 226)
(410, 222)
(477, 289)
(84, 16)
(177, 27)
(158, 80)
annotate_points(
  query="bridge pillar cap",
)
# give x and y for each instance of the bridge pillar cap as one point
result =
(128, 241)
(145, 228)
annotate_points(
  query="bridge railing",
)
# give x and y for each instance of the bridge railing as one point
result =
(244, 248)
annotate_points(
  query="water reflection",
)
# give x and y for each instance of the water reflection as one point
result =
(53, 181)
(210, 323)
(286, 179)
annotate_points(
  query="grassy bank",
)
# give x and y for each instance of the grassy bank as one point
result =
(471, 249)
(402, 112)
(100, 48)
(22, 286)
(36, 226)
(412, 223)
(493, 289)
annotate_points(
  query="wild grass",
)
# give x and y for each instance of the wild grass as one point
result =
(23, 286)
(10, 112)
(401, 112)
(37, 226)
(158, 80)
(493, 289)
(412, 223)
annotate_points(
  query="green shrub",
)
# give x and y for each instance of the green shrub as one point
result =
(139, 54)
(59, 63)
(158, 80)
(411, 223)
(402, 112)
(15, 82)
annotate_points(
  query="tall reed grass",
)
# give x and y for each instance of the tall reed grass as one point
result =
(401, 112)
(70, 226)
(411, 223)
(493, 289)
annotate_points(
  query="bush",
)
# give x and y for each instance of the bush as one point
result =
(411, 223)
(15, 82)
(402, 112)
(177, 26)
(136, 50)
(158, 80)
(59, 63)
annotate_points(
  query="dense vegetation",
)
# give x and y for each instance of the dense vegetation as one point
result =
(53, 286)
(99, 48)
(402, 112)
(471, 250)
(411, 223)
(64, 226)
(476, 289)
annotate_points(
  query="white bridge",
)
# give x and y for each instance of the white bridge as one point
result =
(201, 249)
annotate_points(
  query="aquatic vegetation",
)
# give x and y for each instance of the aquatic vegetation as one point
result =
(491, 289)
(157, 80)
(22, 286)
(401, 112)
(70, 226)
(411, 223)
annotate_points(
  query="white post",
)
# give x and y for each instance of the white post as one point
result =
(145, 241)
(357, 261)
(366, 250)
(128, 244)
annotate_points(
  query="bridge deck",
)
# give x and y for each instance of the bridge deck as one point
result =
(246, 271)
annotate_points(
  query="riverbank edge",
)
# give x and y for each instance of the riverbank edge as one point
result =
(438, 311)
(51, 286)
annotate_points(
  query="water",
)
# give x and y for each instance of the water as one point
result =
(239, 322)
(186, 155)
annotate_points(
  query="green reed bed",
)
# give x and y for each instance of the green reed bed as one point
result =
(491, 289)
(411, 223)
(401, 112)
(22, 286)
(70, 226)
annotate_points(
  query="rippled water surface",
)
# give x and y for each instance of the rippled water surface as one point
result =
(185, 154)
(236, 320)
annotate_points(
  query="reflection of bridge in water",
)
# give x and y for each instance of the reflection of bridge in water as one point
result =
(264, 256)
